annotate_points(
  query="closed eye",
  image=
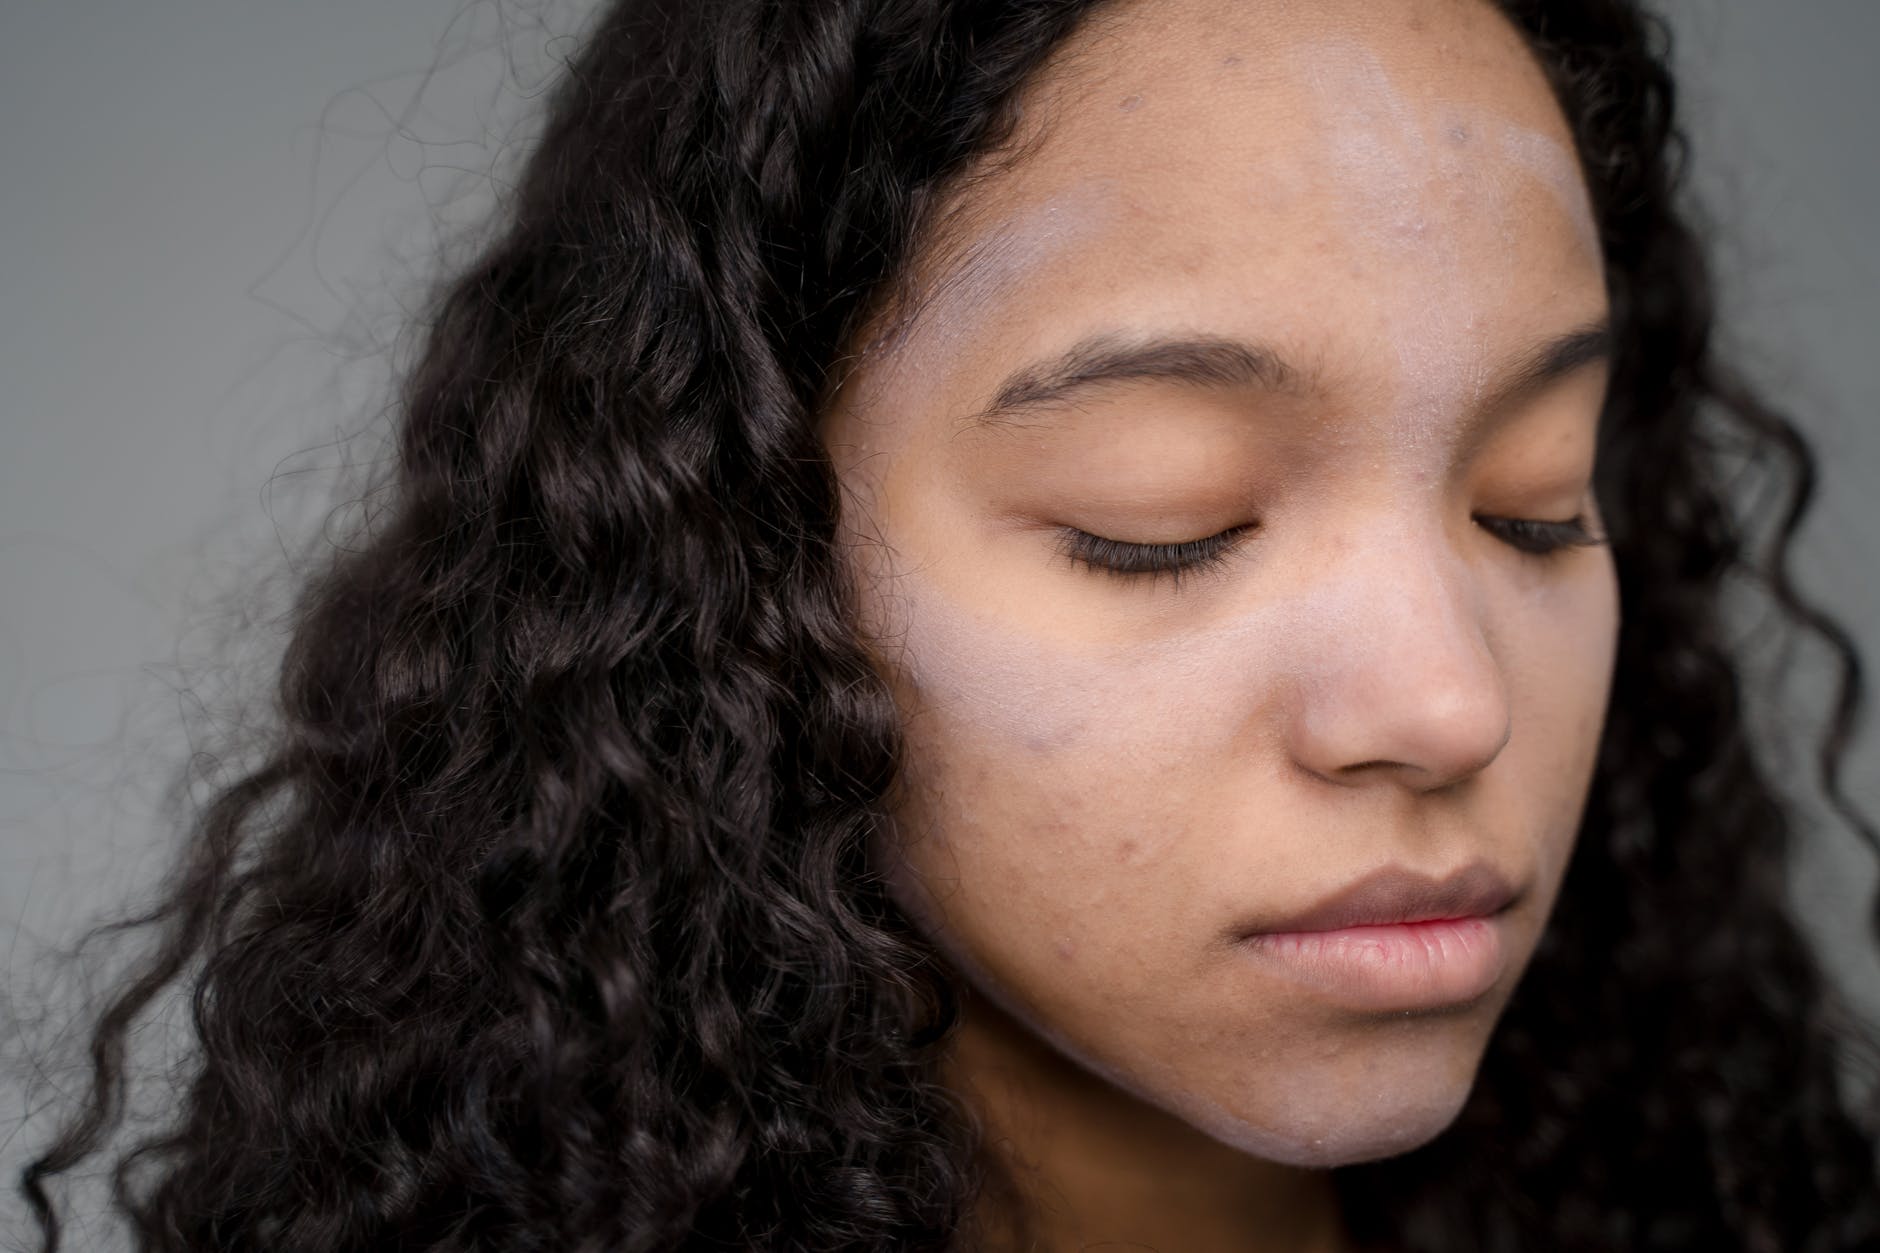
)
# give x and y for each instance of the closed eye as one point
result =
(1537, 537)
(1127, 560)
(1541, 537)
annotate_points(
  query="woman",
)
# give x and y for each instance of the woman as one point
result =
(1037, 625)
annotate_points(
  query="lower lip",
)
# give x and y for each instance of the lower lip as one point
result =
(1386, 969)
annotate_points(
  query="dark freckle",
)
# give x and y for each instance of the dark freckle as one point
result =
(1125, 850)
(1129, 104)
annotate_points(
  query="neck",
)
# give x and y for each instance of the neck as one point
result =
(1077, 1162)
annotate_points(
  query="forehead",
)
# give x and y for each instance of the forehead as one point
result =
(1320, 171)
(1282, 102)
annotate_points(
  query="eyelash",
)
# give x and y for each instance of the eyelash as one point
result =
(1130, 561)
(1531, 536)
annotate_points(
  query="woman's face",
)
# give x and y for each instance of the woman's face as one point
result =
(1306, 290)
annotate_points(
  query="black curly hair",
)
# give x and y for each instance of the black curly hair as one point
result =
(546, 921)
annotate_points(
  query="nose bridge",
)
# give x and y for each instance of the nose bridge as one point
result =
(1405, 680)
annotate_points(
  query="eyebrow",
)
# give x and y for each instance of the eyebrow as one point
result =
(1110, 360)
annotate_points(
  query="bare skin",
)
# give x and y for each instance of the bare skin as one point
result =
(1111, 774)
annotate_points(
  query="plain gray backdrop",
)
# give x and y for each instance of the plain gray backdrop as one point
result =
(211, 211)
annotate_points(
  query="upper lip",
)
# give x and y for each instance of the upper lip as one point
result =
(1393, 894)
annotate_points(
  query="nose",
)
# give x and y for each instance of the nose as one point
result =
(1403, 684)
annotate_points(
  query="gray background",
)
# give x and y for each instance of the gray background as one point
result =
(211, 213)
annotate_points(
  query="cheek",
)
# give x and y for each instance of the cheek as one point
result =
(1557, 645)
(1058, 802)
(1075, 717)
(1028, 765)
(1558, 642)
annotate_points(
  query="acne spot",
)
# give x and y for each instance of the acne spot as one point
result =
(1066, 948)
(1129, 104)
(1126, 851)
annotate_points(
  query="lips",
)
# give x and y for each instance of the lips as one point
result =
(1393, 894)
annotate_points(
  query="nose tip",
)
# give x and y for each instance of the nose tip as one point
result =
(1422, 701)
(1445, 739)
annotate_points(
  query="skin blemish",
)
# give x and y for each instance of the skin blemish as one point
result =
(1129, 104)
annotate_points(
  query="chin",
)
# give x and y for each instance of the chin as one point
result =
(1323, 1125)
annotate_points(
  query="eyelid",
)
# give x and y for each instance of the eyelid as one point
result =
(1125, 560)
(1542, 537)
